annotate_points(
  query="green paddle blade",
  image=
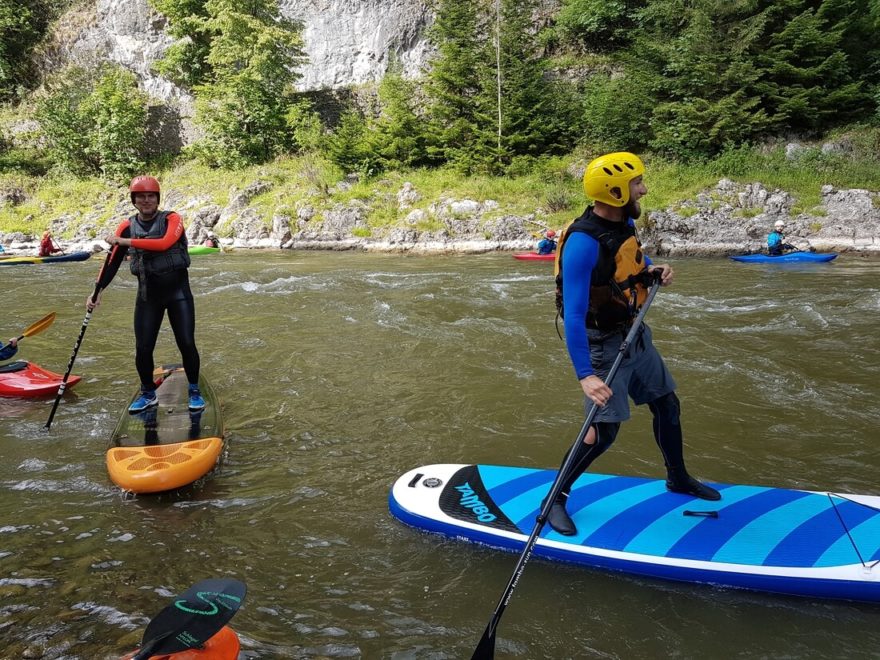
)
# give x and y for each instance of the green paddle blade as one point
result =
(195, 617)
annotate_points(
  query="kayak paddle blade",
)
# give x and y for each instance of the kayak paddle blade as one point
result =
(195, 617)
(39, 326)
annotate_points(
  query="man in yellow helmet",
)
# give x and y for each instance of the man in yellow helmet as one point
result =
(602, 279)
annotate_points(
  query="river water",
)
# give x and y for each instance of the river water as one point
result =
(338, 372)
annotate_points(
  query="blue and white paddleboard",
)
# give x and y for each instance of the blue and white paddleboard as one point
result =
(823, 545)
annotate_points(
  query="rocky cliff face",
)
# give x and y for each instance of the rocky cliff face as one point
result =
(347, 41)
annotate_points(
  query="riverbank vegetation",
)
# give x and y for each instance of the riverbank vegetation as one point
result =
(514, 104)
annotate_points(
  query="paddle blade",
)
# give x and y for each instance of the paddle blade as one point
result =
(195, 617)
(486, 648)
(39, 326)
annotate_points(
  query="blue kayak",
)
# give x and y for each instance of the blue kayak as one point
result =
(791, 257)
(73, 256)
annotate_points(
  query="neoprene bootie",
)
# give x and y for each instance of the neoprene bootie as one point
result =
(687, 485)
(559, 519)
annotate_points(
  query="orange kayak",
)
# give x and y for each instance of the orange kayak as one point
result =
(222, 646)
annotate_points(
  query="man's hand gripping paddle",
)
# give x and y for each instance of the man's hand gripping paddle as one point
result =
(486, 647)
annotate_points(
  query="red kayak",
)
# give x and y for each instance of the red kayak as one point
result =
(534, 256)
(25, 379)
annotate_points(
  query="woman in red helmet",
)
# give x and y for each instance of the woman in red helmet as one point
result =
(160, 261)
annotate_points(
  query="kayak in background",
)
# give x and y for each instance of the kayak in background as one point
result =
(534, 256)
(26, 379)
(791, 257)
(202, 249)
(166, 446)
(804, 543)
(73, 256)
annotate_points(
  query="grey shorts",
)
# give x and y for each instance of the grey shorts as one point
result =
(642, 375)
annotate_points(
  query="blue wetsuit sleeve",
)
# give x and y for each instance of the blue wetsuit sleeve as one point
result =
(579, 259)
(7, 351)
(774, 239)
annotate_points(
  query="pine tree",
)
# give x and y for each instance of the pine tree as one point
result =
(807, 82)
(701, 74)
(454, 83)
(536, 113)
(399, 137)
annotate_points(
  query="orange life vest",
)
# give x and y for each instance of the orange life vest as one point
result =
(619, 282)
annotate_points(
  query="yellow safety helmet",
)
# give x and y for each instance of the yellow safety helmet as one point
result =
(612, 171)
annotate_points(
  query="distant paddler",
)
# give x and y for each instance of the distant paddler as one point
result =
(160, 261)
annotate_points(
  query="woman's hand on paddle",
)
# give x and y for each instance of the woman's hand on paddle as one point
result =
(596, 391)
(13, 342)
(665, 271)
(113, 239)
(92, 304)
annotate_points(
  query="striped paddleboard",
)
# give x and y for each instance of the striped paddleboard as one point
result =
(815, 544)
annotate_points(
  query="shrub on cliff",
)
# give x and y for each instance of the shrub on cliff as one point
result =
(94, 122)
(240, 59)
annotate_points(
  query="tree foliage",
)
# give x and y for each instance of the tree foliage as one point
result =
(23, 24)
(536, 111)
(240, 58)
(453, 83)
(707, 74)
(94, 122)
(400, 139)
(687, 78)
(598, 25)
(491, 100)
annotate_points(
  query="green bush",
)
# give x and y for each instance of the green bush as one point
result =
(240, 59)
(603, 121)
(94, 123)
(598, 24)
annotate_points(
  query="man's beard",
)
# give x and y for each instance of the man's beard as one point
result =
(633, 209)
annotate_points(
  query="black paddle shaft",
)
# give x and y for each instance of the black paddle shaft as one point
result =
(486, 647)
(70, 362)
(79, 339)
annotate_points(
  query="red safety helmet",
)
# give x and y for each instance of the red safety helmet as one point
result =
(143, 184)
(551, 234)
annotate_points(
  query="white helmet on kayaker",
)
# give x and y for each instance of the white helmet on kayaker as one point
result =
(779, 224)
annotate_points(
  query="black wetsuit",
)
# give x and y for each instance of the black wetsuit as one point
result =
(157, 293)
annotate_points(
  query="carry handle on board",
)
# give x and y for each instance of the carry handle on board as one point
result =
(486, 647)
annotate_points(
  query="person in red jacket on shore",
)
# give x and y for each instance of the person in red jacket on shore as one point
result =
(160, 261)
(47, 245)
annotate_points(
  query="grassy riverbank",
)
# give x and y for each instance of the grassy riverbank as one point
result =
(850, 159)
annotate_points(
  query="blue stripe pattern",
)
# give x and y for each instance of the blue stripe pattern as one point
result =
(755, 526)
